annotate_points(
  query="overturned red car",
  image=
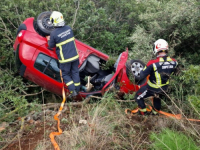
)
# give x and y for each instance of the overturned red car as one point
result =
(39, 64)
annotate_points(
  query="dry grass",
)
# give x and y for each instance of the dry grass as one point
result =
(101, 125)
(104, 125)
(102, 129)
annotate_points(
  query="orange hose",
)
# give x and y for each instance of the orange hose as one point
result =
(149, 108)
(53, 134)
(194, 120)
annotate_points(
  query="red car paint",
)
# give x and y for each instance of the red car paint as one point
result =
(29, 44)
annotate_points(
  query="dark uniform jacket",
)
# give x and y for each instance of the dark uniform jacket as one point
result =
(63, 39)
(159, 70)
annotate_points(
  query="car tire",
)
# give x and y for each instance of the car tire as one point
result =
(45, 27)
(134, 67)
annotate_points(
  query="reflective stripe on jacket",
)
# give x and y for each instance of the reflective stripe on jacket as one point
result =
(63, 39)
(159, 70)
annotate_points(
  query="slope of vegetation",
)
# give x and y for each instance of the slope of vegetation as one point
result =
(109, 26)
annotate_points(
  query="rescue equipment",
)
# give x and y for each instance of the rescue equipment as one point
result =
(53, 134)
(149, 109)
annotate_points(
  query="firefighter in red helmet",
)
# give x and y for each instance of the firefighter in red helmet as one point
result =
(159, 71)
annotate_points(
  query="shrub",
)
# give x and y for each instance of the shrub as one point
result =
(169, 139)
(176, 21)
(13, 103)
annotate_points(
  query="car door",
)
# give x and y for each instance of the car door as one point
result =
(45, 70)
(119, 65)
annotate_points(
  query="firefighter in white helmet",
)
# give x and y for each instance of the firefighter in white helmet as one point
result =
(159, 71)
(62, 38)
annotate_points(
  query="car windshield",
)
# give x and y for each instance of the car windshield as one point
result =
(48, 66)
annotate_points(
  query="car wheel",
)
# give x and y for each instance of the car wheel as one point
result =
(44, 24)
(134, 67)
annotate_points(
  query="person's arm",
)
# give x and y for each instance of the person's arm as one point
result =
(145, 72)
(51, 42)
(48, 37)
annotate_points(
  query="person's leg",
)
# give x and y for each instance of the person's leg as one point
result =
(157, 103)
(139, 97)
(75, 74)
(66, 75)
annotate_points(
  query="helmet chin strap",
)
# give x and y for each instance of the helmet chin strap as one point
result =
(61, 24)
(161, 53)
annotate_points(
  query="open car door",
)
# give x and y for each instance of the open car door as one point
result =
(119, 65)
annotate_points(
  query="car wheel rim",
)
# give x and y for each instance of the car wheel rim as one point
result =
(47, 23)
(136, 68)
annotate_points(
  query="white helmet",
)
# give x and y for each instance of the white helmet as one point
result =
(57, 19)
(160, 45)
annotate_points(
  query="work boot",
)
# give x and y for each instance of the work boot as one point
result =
(143, 111)
(154, 112)
(73, 94)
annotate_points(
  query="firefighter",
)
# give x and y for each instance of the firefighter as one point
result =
(159, 71)
(63, 38)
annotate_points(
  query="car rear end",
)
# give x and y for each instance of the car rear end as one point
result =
(26, 42)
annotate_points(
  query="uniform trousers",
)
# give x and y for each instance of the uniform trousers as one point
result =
(70, 75)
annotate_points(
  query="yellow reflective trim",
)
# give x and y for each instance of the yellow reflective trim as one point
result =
(65, 42)
(169, 59)
(156, 85)
(69, 83)
(143, 110)
(77, 84)
(76, 47)
(161, 59)
(144, 68)
(154, 112)
(157, 75)
(68, 60)
(61, 53)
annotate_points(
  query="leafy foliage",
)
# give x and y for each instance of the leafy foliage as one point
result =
(175, 21)
(190, 79)
(169, 139)
(110, 26)
(13, 103)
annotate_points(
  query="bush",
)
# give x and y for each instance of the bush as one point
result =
(176, 21)
(173, 140)
(13, 103)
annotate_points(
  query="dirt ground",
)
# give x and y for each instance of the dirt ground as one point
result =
(37, 131)
(29, 140)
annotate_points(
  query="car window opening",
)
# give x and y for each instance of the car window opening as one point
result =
(49, 66)
(93, 78)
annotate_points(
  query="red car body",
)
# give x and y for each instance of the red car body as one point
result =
(30, 48)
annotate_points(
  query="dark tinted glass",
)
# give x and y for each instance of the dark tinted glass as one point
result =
(42, 62)
(48, 65)
(53, 70)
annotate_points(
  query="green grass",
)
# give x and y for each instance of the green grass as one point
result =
(172, 140)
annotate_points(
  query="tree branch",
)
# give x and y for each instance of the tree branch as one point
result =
(32, 86)
(75, 14)
(6, 30)
(31, 94)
